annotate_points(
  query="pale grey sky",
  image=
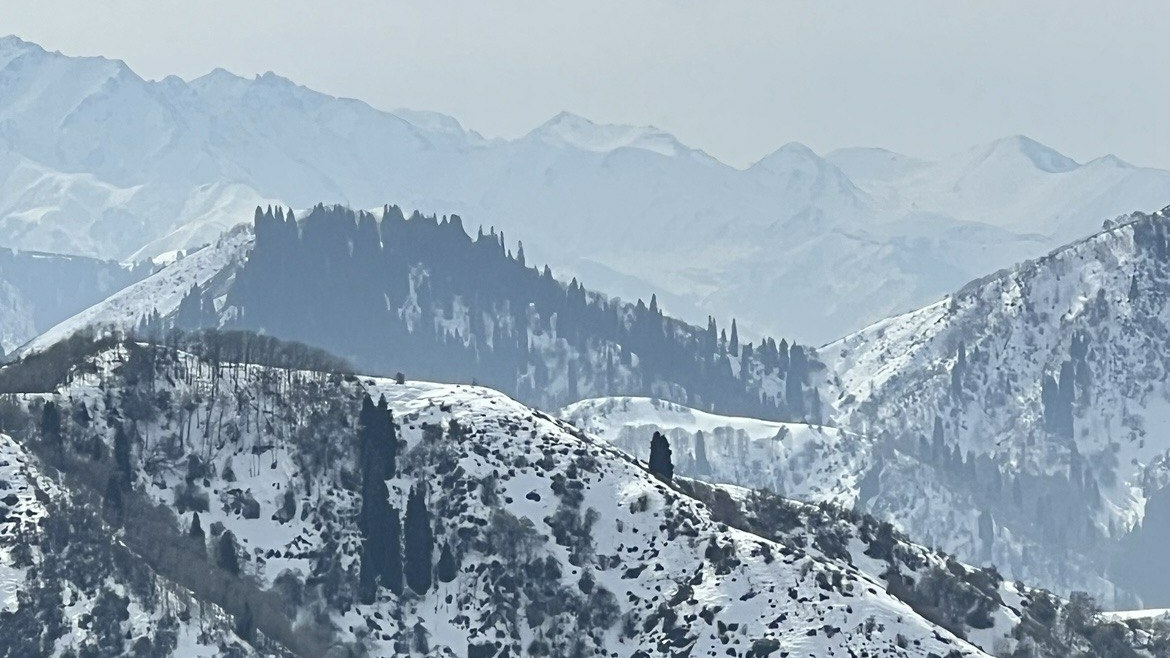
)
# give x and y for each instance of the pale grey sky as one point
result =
(737, 78)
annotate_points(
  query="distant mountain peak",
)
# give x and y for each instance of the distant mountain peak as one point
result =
(1110, 160)
(13, 41)
(12, 45)
(568, 129)
(792, 152)
(804, 167)
(1041, 156)
(272, 78)
(218, 74)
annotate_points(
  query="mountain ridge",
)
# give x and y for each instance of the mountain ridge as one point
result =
(560, 542)
(198, 163)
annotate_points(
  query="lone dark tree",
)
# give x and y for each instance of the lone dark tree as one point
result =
(661, 464)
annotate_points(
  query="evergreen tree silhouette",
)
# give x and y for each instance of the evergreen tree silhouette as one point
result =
(51, 425)
(381, 555)
(419, 542)
(446, 569)
(660, 463)
(226, 556)
(702, 466)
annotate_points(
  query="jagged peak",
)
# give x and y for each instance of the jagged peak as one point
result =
(275, 79)
(11, 41)
(13, 47)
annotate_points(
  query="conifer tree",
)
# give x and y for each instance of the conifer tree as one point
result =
(733, 347)
(392, 575)
(51, 425)
(196, 529)
(226, 556)
(660, 463)
(419, 542)
(702, 466)
(446, 570)
(381, 559)
(958, 370)
(794, 380)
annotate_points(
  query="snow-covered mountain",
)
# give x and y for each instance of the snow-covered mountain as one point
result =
(95, 160)
(977, 473)
(1044, 389)
(418, 295)
(450, 520)
(1023, 417)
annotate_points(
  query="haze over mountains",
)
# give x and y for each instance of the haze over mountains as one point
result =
(97, 161)
(286, 375)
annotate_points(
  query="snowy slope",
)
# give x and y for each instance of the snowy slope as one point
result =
(558, 543)
(184, 160)
(617, 561)
(64, 588)
(1070, 465)
(161, 292)
(805, 462)
(829, 465)
(994, 486)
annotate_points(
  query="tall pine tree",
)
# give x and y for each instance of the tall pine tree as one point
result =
(419, 541)
(381, 556)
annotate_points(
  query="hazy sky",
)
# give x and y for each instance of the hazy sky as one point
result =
(735, 78)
